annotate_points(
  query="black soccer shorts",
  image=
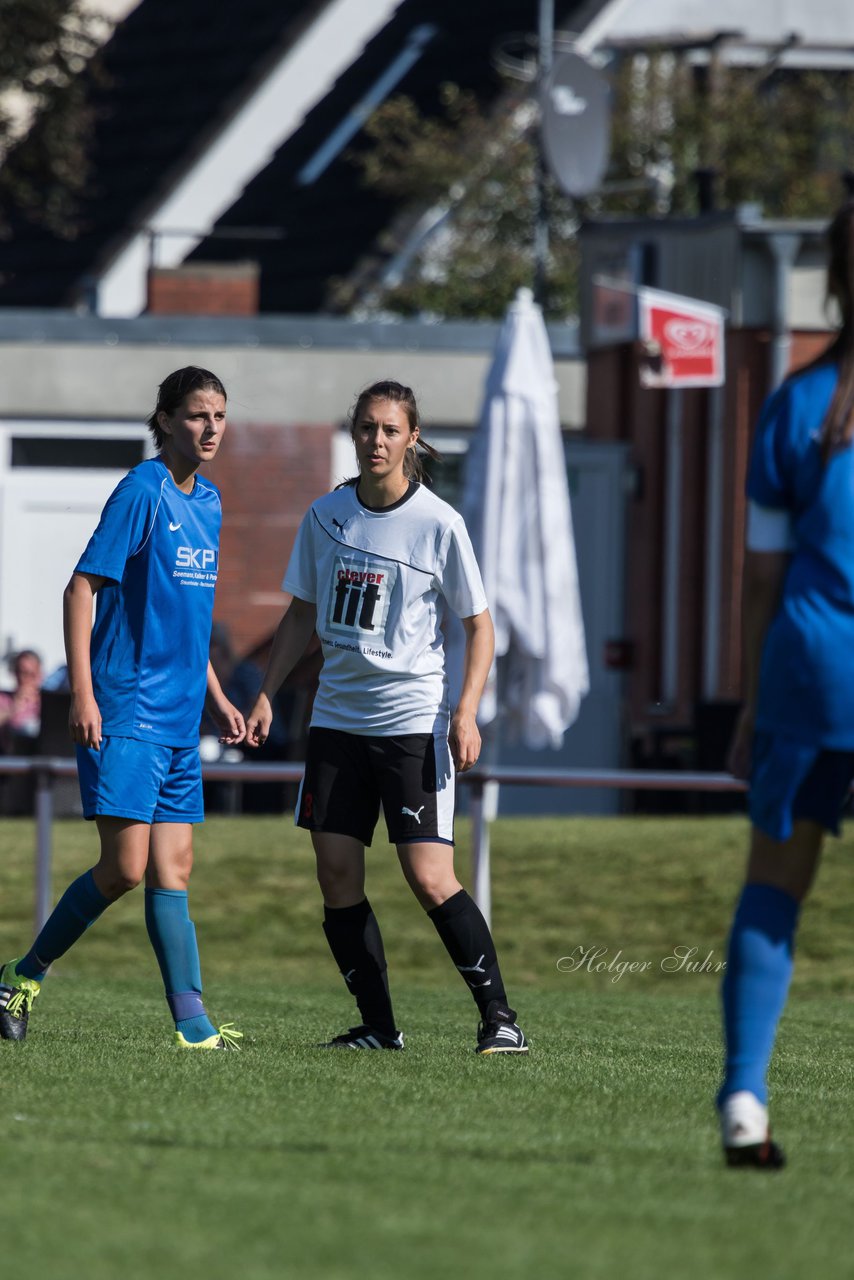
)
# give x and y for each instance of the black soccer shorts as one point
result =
(348, 776)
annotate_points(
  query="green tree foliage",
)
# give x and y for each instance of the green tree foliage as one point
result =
(777, 138)
(44, 45)
(479, 169)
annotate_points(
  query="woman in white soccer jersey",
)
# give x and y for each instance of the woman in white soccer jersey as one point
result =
(374, 564)
(138, 680)
(795, 738)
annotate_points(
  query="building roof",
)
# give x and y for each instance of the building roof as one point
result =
(226, 129)
(173, 80)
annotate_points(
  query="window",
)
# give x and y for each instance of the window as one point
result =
(84, 454)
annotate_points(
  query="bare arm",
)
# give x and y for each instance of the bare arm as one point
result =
(762, 586)
(228, 719)
(84, 717)
(289, 642)
(464, 735)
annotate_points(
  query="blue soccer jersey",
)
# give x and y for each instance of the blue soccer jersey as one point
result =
(805, 689)
(159, 550)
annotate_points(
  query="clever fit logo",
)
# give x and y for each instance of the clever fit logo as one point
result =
(360, 595)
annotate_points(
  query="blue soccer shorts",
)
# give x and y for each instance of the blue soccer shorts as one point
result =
(349, 775)
(791, 780)
(141, 781)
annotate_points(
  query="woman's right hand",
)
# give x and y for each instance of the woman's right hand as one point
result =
(741, 746)
(258, 721)
(84, 721)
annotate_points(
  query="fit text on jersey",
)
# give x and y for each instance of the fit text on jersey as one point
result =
(360, 596)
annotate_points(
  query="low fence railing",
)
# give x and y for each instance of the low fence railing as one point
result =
(482, 782)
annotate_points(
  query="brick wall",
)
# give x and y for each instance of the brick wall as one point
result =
(619, 409)
(268, 476)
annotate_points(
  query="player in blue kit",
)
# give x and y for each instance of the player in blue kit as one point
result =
(795, 737)
(374, 566)
(139, 678)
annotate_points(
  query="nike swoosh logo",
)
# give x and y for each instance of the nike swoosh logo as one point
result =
(174, 527)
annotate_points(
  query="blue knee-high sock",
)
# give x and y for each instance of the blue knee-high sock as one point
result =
(77, 909)
(754, 990)
(173, 937)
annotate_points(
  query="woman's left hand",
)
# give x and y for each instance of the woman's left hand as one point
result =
(228, 720)
(464, 740)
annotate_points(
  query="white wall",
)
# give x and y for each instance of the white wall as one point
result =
(46, 518)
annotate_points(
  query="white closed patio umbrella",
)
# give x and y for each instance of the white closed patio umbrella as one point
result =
(516, 506)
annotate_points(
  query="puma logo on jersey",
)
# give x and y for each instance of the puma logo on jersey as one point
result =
(173, 528)
(410, 813)
(338, 525)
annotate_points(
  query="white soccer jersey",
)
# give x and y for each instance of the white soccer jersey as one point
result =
(379, 580)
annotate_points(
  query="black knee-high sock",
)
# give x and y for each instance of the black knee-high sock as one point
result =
(465, 933)
(356, 943)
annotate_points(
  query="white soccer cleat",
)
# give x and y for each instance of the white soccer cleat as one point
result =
(745, 1134)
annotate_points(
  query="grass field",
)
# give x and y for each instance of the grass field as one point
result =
(596, 1156)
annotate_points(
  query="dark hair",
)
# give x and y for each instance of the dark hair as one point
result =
(396, 393)
(838, 427)
(25, 653)
(172, 390)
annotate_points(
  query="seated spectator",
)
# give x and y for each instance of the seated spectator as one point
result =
(20, 708)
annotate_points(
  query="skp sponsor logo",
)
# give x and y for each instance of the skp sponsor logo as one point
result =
(201, 558)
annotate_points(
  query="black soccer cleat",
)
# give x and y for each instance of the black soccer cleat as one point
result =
(16, 999)
(745, 1135)
(764, 1155)
(499, 1033)
(364, 1038)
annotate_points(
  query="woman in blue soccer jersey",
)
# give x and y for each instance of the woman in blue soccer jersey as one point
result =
(374, 565)
(795, 738)
(139, 678)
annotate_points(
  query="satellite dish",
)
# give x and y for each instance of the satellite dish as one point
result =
(575, 124)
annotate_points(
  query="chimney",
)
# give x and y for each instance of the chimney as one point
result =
(204, 289)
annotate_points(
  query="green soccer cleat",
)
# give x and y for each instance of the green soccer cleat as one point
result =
(16, 999)
(225, 1038)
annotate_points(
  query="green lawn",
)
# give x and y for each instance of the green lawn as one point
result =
(596, 1156)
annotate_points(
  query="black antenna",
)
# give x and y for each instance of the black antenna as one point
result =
(706, 180)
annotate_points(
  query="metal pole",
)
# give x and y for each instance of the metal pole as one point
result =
(714, 533)
(44, 834)
(784, 249)
(480, 871)
(541, 230)
(672, 537)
